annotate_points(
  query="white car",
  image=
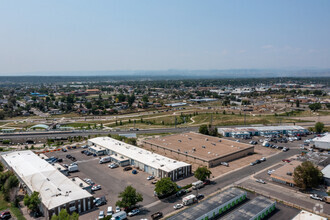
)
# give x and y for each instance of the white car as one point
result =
(150, 177)
(260, 181)
(117, 209)
(134, 212)
(178, 206)
(270, 172)
(225, 164)
(263, 159)
(315, 196)
(113, 165)
(101, 215)
(96, 187)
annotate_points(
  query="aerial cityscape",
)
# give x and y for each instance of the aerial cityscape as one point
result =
(165, 110)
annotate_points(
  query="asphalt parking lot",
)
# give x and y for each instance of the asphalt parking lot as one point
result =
(112, 181)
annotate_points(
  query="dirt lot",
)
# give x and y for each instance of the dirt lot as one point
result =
(113, 181)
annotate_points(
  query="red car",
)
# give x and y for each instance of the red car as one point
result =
(288, 161)
(5, 215)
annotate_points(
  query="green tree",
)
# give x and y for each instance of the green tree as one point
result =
(145, 98)
(297, 103)
(1, 167)
(129, 198)
(64, 215)
(165, 186)
(315, 106)
(33, 201)
(203, 129)
(131, 99)
(319, 126)
(202, 173)
(2, 115)
(307, 175)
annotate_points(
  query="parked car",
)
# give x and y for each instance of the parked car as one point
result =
(5, 215)
(60, 160)
(181, 193)
(260, 181)
(134, 212)
(154, 181)
(258, 161)
(100, 201)
(225, 164)
(134, 171)
(127, 168)
(316, 197)
(113, 165)
(263, 159)
(157, 215)
(85, 146)
(207, 182)
(117, 209)
(64, 150)
(101, 215)
(270, 172)
(83, 151)
(286, 160)
(200, 196)
(253, 163)
(96, 187)
(68, 156)
(150, 177)
(178, 206)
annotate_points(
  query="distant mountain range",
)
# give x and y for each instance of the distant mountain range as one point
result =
(193, 74)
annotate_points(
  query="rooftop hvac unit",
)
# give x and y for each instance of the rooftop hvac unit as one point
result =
(174, 161)
(194, 149)
(179, 150)
(190, 138)
(206, 139)
(80, 184)
(203, 146)
(73, 179)
(186, 152)
(179, 140)
(209, 152)
(219, 140)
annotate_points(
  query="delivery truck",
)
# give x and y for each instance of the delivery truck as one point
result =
(197, 185)
(189, 200)
(73, 168)
(105, 160)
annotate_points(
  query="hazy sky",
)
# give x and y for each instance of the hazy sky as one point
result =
(156, 35)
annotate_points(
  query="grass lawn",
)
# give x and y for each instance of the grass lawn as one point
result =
(14, 210)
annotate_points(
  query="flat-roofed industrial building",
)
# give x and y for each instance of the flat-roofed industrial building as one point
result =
(239, 132)
(322, 142)
(56, 190)
(284, 174)
(198, 148)
(148, 161)
(256, 209)
(213, 206)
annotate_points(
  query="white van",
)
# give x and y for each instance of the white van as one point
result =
(109, 211)
(197, 185)
(105, 160)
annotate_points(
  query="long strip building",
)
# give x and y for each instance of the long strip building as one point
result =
(56, 190)
(152, 163)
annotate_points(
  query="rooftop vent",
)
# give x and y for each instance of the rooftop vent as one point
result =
(186, 152)
(206, 139)
(73, 179)
(203, 146)
(179, 140)
(179, 150)
(209, 152)
(48, 179)
(190, 138)
(219, 140)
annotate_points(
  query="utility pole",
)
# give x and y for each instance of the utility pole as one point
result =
(175, 121)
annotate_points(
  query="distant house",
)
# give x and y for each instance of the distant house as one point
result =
(55, 112)
(93, 91)
(82, 110)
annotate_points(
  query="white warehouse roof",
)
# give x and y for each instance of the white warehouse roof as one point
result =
(138, 154)
(263, 128)
(326, 172)
(325, 139)
(55, 189)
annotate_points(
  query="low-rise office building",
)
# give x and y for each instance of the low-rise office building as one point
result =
(150, 162)
(198, 148)
(56, 190)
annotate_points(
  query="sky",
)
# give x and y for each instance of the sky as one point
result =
(79, 35)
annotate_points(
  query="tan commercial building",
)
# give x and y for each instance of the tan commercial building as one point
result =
(198, 148)
(284, 174)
